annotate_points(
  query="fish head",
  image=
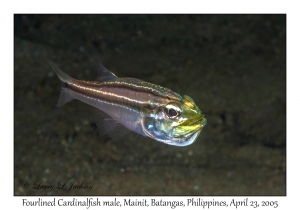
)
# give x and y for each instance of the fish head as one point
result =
(175, 123)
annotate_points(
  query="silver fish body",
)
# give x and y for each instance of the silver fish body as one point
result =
(147, 109)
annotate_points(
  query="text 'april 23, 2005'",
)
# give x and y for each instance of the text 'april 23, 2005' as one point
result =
(170, 203)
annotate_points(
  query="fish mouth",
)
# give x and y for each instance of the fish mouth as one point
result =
(189, 128)
(199, 122)
(191, 136)
(202, 121)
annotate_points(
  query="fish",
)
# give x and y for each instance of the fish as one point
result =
(123, 104)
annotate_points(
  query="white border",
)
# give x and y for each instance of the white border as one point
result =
(237, 6)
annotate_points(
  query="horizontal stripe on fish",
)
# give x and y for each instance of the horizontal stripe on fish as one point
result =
(137, 95)
(135, 85)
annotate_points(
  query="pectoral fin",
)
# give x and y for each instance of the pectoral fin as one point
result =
(108, 125)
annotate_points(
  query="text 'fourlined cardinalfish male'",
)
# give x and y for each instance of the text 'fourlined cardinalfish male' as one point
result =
(145, 108)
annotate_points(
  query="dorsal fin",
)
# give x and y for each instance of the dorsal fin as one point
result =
(103, 73)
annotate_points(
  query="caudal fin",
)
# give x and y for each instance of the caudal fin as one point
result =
(64, 96)
(66, 80)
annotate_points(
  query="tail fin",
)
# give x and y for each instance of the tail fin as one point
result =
(65, 79)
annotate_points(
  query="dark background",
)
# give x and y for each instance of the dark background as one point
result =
(233, 66)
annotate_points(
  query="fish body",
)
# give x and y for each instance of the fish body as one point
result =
(135, 105)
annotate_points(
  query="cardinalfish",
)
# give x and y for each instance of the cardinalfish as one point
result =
(128, 104)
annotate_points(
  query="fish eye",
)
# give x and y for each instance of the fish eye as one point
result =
(172, 111)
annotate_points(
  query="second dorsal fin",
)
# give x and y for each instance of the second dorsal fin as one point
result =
(103, 73)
